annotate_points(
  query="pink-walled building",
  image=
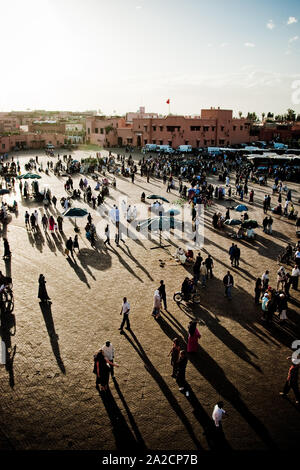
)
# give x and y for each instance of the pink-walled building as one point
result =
(30, 140)
(107, 132)
(215, 127)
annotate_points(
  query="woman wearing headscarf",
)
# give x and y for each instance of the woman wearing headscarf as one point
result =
(43, 295)
(101, 369)
(156, 304)
(194, 335)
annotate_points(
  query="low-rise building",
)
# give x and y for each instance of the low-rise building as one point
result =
(215, 127)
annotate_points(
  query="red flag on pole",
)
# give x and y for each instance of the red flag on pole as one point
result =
(168, 101)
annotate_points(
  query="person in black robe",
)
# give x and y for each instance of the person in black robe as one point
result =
(43, 295)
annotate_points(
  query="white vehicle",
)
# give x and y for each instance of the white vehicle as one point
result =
(164, 149)
(215, 150)
(150, 148)
(278, 145)
(250, 148)
(185, 148)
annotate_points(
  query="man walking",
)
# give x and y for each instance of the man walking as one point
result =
(228, 284)
(109, 353)
(162, 293)
(27, 219)
(292, 381)
(107, 234)
(69, 247)
(295, 277)
(196, 267)
(237, 255)
(209, 265)
(232, 253)
(125, 310)
(218, 414)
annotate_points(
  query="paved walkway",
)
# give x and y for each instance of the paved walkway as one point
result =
(48, 398)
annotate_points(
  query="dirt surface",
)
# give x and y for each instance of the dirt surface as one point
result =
(48, 398)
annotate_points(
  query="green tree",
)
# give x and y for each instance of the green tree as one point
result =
(291, 115)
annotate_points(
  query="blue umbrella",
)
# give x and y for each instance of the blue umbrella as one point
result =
(241, 208)
(155, 196)
(75, 212)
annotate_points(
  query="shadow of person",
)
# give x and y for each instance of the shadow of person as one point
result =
(78, 271)
(123, 435)
(215, 375)
(7, 330)
(215, 437)
(7, 263)
(139, 265)
(47, 314)
(163, 386)
(138, 435)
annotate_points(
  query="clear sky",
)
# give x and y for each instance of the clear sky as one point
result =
(116, 55)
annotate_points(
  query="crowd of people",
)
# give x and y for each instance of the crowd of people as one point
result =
(195, 188)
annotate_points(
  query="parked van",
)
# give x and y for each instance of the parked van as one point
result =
(164, 149)
(184, 148)
(215, 150)
(149, 148)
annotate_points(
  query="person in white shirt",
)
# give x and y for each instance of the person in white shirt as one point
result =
(124, 207)
(265, 280)
(112, 214)
(109, 353)
(295, 276)
(125, 310)
(218, 414)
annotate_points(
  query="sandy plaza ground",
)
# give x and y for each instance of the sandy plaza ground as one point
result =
(48, 398)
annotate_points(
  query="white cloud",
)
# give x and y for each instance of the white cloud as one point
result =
(249, 44)
(138, 7)
(224, 44)
(270, 24)
(293, 39)
(292, 20)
